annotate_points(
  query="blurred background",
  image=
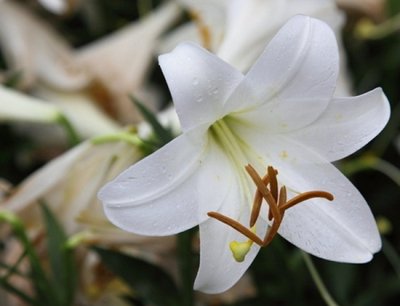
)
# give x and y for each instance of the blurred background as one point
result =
(80, 84)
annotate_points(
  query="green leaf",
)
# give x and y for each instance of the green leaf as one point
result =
(392, 7)
(163, 134)
(61, 259)
(186, 264)
(22, 295)
(13, 80)
(37, 275)
(151, 283)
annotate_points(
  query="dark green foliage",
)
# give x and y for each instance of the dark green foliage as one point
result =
(55, 287)
(149, 282)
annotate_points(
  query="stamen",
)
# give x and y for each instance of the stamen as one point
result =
(277, 203)
(263, 190)
(273, 182)
(236, 225)
(255, 211)
(282, 196)
(306, 196)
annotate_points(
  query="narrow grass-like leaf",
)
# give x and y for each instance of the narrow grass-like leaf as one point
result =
(151, 283)
(61, 259)
(44, 296)
(22, 295)
(11, 270)
(163, 134)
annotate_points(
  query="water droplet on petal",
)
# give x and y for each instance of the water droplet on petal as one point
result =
(199, 99)
(195, 81)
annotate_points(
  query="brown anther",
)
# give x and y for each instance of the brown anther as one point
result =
(255, 211)
(306, 196)
(261, 188)
(276, 201)
(282, 198)
(236, 225)
(273, 182)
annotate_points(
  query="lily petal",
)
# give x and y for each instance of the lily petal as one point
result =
(164, 193)
(251, 23)
(15, 106)
(59, 6)
(84, 115)
(218, 269)
(342, 230)
(347, 125)
(297, 70)
(38, 184)
(119, 52)
(198, 99)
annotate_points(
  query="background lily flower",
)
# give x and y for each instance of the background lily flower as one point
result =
(60, 6)
(374, 9)
(86, 165)
(61, 117)
(15, 106)
(44, 57)
(32, 48)
(238, 30)
(86, 117)
(124, 65)
(281, 113)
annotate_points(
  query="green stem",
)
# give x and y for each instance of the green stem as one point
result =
(72, 135)
(391, 255)
(144, 7)
(372, 162)
(385, 139)
(185, 256)
(123, 136)
(367, 30)
(388, 169)
(318, 281)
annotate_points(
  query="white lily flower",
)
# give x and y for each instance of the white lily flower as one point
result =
(281, 113)
(59, 6)
(55, 6)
